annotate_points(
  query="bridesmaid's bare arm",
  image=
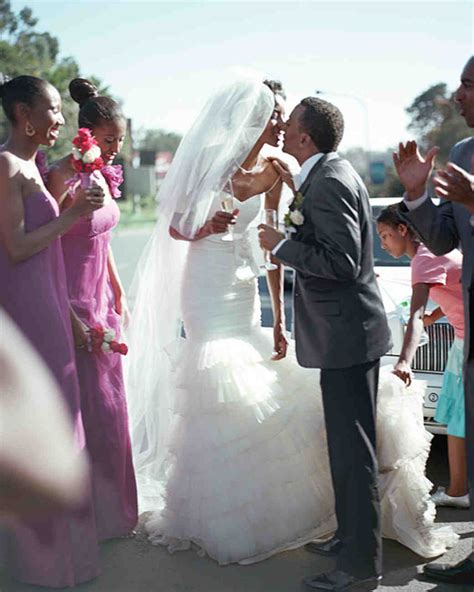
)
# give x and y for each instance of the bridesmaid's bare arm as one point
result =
(19, 244)
(57, 176)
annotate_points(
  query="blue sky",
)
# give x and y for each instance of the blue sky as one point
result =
(163, 59)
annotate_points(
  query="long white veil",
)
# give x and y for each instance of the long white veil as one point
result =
(218, 142)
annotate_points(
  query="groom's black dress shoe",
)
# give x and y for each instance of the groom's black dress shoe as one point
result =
(329, 548)
(461, 573)
(337, 581)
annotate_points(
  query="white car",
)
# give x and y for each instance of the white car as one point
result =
(394, 278)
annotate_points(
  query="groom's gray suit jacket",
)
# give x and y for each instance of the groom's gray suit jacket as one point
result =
(338, 312)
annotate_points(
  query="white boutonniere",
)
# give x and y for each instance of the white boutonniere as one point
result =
(294, 217)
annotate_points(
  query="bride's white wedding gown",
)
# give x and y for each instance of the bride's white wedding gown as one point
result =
(247, 471)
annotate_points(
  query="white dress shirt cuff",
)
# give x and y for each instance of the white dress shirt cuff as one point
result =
(415, 203)
(275, 249)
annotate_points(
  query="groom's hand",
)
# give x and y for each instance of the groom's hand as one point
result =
(283, 170)
(269, 237)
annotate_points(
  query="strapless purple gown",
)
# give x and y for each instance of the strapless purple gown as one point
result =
(103, 402)
(59, 550)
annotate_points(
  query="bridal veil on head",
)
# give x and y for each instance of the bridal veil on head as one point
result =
(210, 153)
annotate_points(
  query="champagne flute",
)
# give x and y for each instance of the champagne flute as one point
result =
(227, 204)
(270, 218)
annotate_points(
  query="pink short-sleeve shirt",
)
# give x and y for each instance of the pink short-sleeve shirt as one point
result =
(443, 273)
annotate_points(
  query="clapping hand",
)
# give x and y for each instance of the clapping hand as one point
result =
(455, 184)
(412, 169)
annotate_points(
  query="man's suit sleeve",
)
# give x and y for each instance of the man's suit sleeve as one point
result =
(334, 213)
(435, 225)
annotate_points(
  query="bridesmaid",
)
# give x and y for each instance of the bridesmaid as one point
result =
(97, 298)
(61, 549)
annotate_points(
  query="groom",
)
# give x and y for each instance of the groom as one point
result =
(340, 327)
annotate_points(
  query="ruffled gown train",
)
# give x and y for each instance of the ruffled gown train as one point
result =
(246, 468)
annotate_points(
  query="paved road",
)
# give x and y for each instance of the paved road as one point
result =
(136, 566)
(128, 245)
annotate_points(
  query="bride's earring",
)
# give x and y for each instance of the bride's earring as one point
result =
(29, 130)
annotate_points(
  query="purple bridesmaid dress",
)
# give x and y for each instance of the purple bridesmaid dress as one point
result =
(103, 402)
(59, 549)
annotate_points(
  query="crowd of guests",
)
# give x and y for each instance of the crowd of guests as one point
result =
(58, 279)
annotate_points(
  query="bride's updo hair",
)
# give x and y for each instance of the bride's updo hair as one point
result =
(94, 109)
(276, 87)
(21, 89)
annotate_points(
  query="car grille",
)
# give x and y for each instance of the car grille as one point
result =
(432, 356)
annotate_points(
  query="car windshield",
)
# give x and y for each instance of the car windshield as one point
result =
(381, 257)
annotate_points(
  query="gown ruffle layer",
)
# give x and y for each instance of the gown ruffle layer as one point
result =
(248, 471)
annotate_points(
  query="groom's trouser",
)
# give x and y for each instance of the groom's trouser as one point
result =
(349, 398)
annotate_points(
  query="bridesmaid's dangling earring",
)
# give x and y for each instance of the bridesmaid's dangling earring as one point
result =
(30, 130)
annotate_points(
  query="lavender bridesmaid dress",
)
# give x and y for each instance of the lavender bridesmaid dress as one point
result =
(61, 549)
(103, 402)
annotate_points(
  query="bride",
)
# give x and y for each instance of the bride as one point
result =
(229, 444)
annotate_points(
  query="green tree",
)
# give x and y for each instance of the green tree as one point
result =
(391, 187)
(24, 50)
(435, 120)
(158, 140)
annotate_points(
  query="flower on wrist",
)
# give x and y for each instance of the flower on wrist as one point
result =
(102, 340)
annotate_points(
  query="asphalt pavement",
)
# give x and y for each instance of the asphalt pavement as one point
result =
(134, 565)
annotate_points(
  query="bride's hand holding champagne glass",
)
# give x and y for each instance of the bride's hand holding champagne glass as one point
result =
(227, 203)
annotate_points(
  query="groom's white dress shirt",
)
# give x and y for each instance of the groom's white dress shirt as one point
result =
(298, 180)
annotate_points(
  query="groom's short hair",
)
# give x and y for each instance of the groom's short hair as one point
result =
(323, 122)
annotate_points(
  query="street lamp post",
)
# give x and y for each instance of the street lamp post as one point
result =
(365, 111)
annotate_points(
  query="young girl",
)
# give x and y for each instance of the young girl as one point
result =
(438, 278)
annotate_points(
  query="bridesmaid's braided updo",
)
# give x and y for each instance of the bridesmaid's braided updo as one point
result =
(94, 109)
